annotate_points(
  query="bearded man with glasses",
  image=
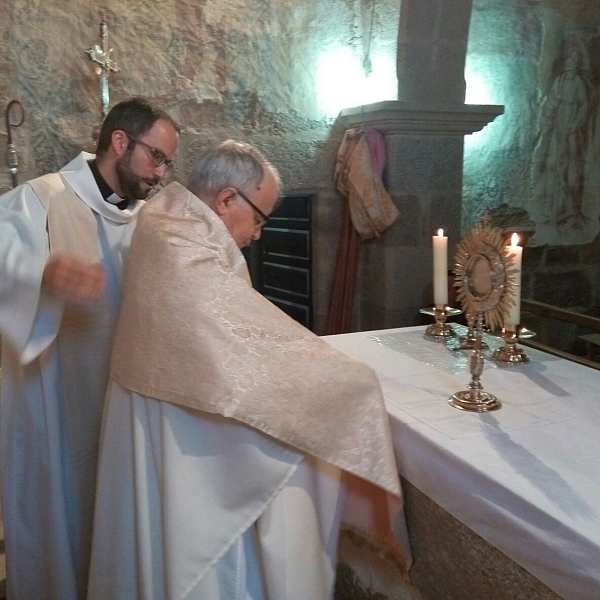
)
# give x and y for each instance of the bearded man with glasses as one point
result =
(228, 425)
(64, 239)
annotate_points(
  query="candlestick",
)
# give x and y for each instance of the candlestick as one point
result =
(440, 329)
(513, 318)
(511, 353)
(440, 269)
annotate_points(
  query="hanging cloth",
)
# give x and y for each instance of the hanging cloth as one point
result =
(368, 213)
(361, 159)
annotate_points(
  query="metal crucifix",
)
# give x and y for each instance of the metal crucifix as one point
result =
(105, 64)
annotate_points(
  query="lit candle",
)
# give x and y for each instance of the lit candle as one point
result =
(440, 269)
(513, 318)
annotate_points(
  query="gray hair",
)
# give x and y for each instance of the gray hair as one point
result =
(230, 164)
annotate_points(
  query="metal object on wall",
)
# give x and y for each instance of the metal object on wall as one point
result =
(105, 64)
(12, 158)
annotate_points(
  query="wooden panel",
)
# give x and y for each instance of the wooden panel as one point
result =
(280, 263)
(287, 279)
(298, 312)
(293, 207)
(286, 242)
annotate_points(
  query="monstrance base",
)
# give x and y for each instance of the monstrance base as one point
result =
(474, 401)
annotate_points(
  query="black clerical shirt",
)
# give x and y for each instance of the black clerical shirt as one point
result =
(107, 192)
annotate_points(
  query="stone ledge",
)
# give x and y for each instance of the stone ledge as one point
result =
(436, 119)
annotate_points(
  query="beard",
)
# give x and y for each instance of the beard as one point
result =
(129, 181)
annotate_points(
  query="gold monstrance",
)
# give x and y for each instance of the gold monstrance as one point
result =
(485, 286)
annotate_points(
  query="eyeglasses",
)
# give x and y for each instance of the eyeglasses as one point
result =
(264, 218)
(157, 156)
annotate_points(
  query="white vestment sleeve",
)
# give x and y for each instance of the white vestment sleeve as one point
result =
(29, 319)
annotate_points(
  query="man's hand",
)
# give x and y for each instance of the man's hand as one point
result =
(73, 279)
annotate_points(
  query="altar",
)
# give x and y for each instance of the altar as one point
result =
(525, 478)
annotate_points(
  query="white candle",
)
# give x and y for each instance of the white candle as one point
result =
(513, 318)
(440, 269)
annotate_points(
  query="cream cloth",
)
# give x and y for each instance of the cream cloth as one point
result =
(371, 208)
(72, 227)
(192, 331)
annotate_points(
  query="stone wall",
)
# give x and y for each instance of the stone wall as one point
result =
(263, 71)
(541, 60)
(268, 71)
(452, 562)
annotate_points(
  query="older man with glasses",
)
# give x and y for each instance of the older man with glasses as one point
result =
(64, 239)
(228, 425)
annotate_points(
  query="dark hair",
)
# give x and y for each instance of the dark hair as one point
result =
(135, 116)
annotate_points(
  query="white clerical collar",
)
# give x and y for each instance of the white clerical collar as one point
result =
(117, 201)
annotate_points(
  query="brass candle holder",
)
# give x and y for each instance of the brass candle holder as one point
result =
(511, 353)
(440, 329)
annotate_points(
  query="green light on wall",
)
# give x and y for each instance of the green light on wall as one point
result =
(342, 81)
(478, 90)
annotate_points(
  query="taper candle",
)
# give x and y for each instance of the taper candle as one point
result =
(513, 318)
(440, 269)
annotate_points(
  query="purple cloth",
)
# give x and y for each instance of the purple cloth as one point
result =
(376, 145)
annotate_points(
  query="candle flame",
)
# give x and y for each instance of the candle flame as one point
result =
(441, 232)
(514, 240)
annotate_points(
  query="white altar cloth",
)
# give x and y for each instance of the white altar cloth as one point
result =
(526, 478)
